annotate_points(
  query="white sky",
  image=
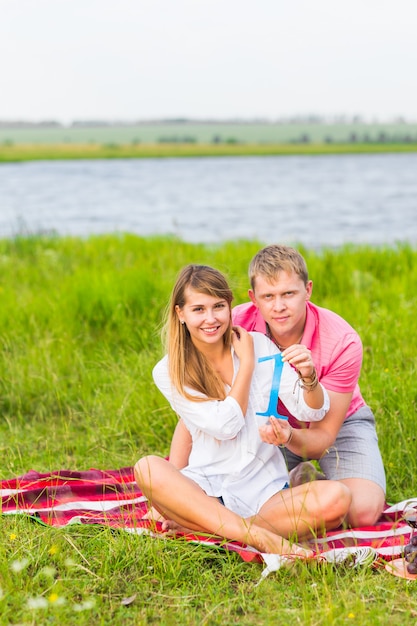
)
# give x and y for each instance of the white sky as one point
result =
(142, 59)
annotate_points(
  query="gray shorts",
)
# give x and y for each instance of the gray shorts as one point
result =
(354, 454)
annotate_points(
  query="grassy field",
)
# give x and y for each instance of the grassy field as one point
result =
(79, 326)
(37, 152)
(197, 139)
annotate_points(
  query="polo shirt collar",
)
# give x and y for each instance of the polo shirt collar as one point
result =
(310, 326)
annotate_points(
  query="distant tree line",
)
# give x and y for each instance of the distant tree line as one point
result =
(381, 137)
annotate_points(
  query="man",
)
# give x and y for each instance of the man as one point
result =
(345, 442)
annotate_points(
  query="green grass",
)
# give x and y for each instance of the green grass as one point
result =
(79, 326)
(36, 152)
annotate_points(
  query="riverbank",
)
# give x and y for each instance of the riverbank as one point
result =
(12, 153)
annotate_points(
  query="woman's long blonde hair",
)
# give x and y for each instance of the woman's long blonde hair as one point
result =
(187, 365)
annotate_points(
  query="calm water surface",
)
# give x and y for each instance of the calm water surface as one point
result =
(317, 201)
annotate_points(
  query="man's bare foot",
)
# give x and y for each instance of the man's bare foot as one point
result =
(303, 473)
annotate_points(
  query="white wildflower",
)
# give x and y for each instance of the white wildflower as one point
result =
(48, 571)
(19, 566)
(85, 606)
(37, 603)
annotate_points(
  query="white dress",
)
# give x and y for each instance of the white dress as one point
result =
(228, 457)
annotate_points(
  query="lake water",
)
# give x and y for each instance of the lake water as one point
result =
(316, 201)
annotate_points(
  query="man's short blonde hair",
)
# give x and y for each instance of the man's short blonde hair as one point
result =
(273, 259)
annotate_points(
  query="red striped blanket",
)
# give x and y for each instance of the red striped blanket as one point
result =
(112, 498)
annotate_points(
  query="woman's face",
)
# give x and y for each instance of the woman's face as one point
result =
(206, 317)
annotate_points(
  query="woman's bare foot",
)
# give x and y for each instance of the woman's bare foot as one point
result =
(153, 515)
(171, 526)
(168, 525)
(267, 541)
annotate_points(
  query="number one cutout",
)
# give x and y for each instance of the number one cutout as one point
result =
(276, 379)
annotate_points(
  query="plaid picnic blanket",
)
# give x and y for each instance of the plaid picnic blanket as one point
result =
(112, 498)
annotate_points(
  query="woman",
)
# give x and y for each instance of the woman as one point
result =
(218, 380)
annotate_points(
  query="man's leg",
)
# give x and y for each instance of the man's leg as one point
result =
(368, 501)
(355, 460)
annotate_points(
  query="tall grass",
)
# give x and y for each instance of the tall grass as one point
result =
(79, 335)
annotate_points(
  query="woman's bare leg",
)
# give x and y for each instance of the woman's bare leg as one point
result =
(180, 499)
(305, 510)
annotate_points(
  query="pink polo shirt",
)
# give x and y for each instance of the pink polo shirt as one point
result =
(335, 346)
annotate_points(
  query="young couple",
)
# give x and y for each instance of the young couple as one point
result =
(226, 474)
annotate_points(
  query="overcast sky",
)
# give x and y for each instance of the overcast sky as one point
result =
(143, 59)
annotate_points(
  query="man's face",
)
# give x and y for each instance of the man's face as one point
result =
(282, 303)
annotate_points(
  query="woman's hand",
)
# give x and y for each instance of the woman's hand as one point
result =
(277, 432)
(242, 343)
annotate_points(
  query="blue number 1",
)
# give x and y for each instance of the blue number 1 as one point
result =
(276, 378)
